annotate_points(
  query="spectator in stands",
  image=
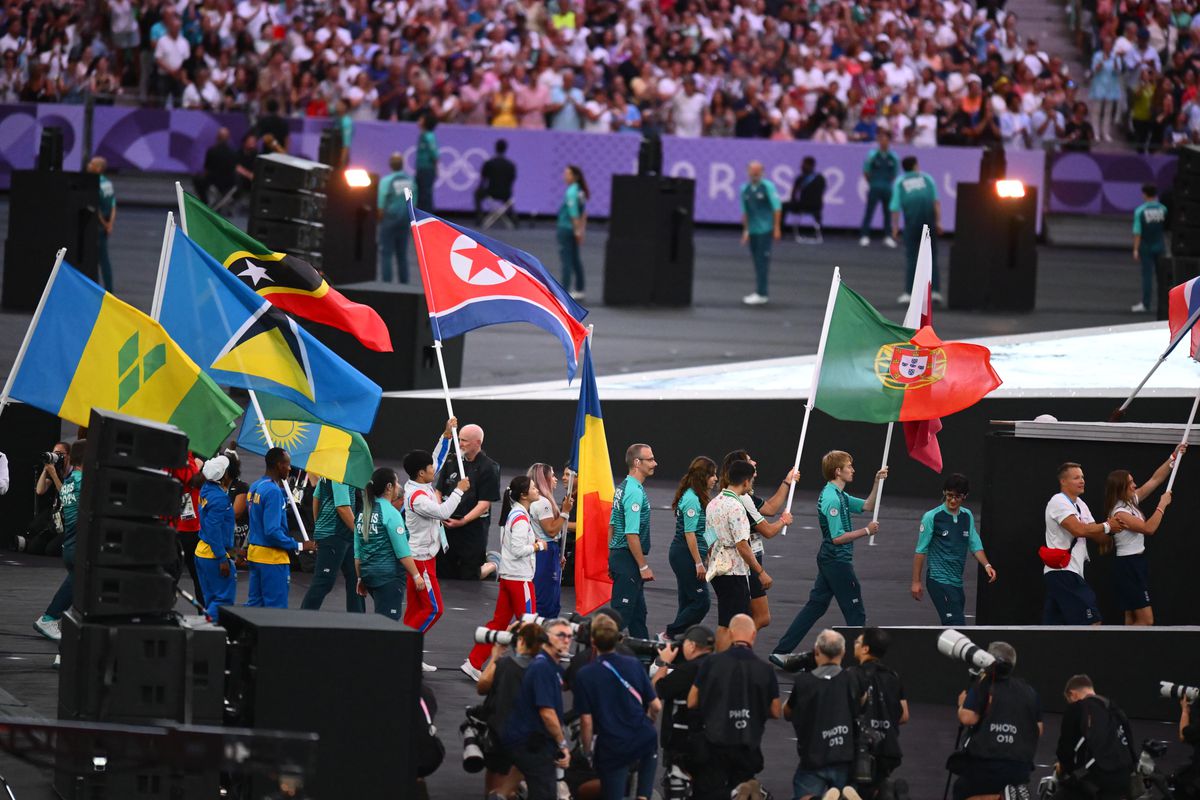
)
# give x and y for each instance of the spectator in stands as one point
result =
(1105, 88)
(1079, 132)
(496, 179)
(170, 52)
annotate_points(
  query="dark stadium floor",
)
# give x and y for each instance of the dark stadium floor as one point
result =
(26, 584)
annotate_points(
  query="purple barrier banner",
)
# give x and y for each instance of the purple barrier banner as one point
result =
(157, 140)
(1105, 183)
(21, 133)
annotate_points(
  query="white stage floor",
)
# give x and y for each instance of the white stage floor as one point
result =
(1085, 362)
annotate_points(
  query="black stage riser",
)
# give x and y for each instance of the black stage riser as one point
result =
(1125, 664)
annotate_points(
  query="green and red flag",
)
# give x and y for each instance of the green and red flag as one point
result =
(873, 370)
(287, 282)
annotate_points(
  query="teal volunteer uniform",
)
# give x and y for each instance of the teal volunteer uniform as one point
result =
(68, 498)
(760, 204)
(692, 592)
(269, 545)
(835, 569)
(107, 202)
(568, 246)
(393, 224)
(1149, 222)
(379, 557)
(215, 545)
(945, 539)
(915, 195)
(880, 169)
(630, 517)
(335, 546)
(427, 159)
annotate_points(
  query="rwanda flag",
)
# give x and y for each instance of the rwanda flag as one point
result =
(290, 283)
(593, 478)
(321, 449)
(242, 340)
(87, 349)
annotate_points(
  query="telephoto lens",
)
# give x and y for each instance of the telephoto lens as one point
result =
(957, 646)
(488, 636)
(642, 648)
(472, 751)
(798, 662)
(1175, 691)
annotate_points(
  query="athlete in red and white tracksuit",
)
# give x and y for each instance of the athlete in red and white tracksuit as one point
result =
(423, 515)
(518, 543)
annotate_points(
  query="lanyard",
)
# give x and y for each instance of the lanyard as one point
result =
(636, 695)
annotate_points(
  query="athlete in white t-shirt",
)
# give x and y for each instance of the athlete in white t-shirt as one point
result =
(1122, 498)
(1069, 524)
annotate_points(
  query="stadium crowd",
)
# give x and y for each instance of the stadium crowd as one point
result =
(930, 71)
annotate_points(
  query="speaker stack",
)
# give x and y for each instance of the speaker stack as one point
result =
(287, 206)
(126, 657)
(650, 254)
(1182, 262)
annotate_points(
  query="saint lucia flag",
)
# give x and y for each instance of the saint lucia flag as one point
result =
(241, 340)
(321, 449)
(593, 478)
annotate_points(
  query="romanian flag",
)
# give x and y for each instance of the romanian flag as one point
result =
(87, 349)
(593, 478)
(873, 370)
(324, 450)
(290, 283)
(242, 340)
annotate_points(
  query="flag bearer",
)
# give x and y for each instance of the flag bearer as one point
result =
(269, 542)
(915, 194)
(1149, 220)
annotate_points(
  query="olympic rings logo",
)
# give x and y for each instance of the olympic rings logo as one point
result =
(456, 171)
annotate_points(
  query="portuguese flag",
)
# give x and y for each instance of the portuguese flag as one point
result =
(288, 282)
(872, 370)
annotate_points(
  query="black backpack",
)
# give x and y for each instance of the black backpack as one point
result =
(1107, 737)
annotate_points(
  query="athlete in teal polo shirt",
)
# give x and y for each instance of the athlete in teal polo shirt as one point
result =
(761, 214)
(334, 508)
(947, 534)
(393, 219)
(1149, 242)
(915, 194)
(629, 541)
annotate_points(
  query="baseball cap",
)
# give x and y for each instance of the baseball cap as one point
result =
(700, 636)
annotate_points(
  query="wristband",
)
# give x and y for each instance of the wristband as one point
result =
(987, 566)
(1107, 529)
(643, 567)
(563, 745)
(1160, 511)
(699, 563)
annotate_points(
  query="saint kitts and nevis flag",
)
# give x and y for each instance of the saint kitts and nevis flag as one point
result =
(323, 450)
(87, 349)
(594, 480)
(872, 370)
(290, 283)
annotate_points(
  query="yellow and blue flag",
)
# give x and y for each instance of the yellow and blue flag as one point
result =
(241, 340)
(593, 477)
(90, 350)
(324, 450)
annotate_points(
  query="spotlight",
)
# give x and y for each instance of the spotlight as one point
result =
(1010, 189)
(360, 178)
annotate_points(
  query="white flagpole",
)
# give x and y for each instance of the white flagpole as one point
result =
(816, 379)
(887, 447)
(591, 337)
(437, 334)
(1184, 331)
(1187, 430)
(37, 315)
(159, 290)
(164, 266)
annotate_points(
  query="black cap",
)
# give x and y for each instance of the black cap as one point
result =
(700, 636)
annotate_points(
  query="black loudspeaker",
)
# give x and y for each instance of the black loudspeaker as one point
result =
(25, 433)
(47, 210)
(650, 156)
(1172, 271)
(993, 261)
(288, 173)
(650, 255)
(266, 204)
(993, 166)
(141, 673)
(1185, 199)
(264, 689)
(329, 149)
(287, 236)
(50, 150)
(413, 364)
(350, 248)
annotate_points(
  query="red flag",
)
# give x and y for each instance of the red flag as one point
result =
(921, 437)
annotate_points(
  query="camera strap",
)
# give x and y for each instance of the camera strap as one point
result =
(636, 694)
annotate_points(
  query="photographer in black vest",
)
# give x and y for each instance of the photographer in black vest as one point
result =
(1095, 749)
(680, 727)
(883, 709)
(823, 707)
(1187, 779)
(735, 693)
(1004, 723)
(500, 683)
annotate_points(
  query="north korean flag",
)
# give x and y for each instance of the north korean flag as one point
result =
(472, 280)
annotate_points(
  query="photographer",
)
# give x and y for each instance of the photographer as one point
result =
(617, 703)
(1187, 780)
(533, 734)
(673, 681)
(735, 694)
(44, 533)
(883, 706)
(822, 708)
(500, 684)
(49, 624)
(1004, 722)
(1095, 746)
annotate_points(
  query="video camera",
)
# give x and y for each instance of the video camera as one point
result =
(978, 660)
(1176, 691)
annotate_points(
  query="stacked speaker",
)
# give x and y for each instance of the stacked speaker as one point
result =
(649, 258)
(126, 656)
(1182, 262)
(287, 206)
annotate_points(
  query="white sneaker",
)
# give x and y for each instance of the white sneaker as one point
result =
(903, 299)
(864, 241)
(755, 299)
(850, 793)
(428, 667)
(50, 628)
(470, 671)
(1140, 308)
(832, 794)
(937, 298)
(889, 242)
(576, 294)
(57, 661)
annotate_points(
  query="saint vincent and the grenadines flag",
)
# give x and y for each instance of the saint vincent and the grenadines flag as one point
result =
(873, 370)
(242, 340)
(594, 481)
(89, 350)
(290, 283)
(324, 450)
